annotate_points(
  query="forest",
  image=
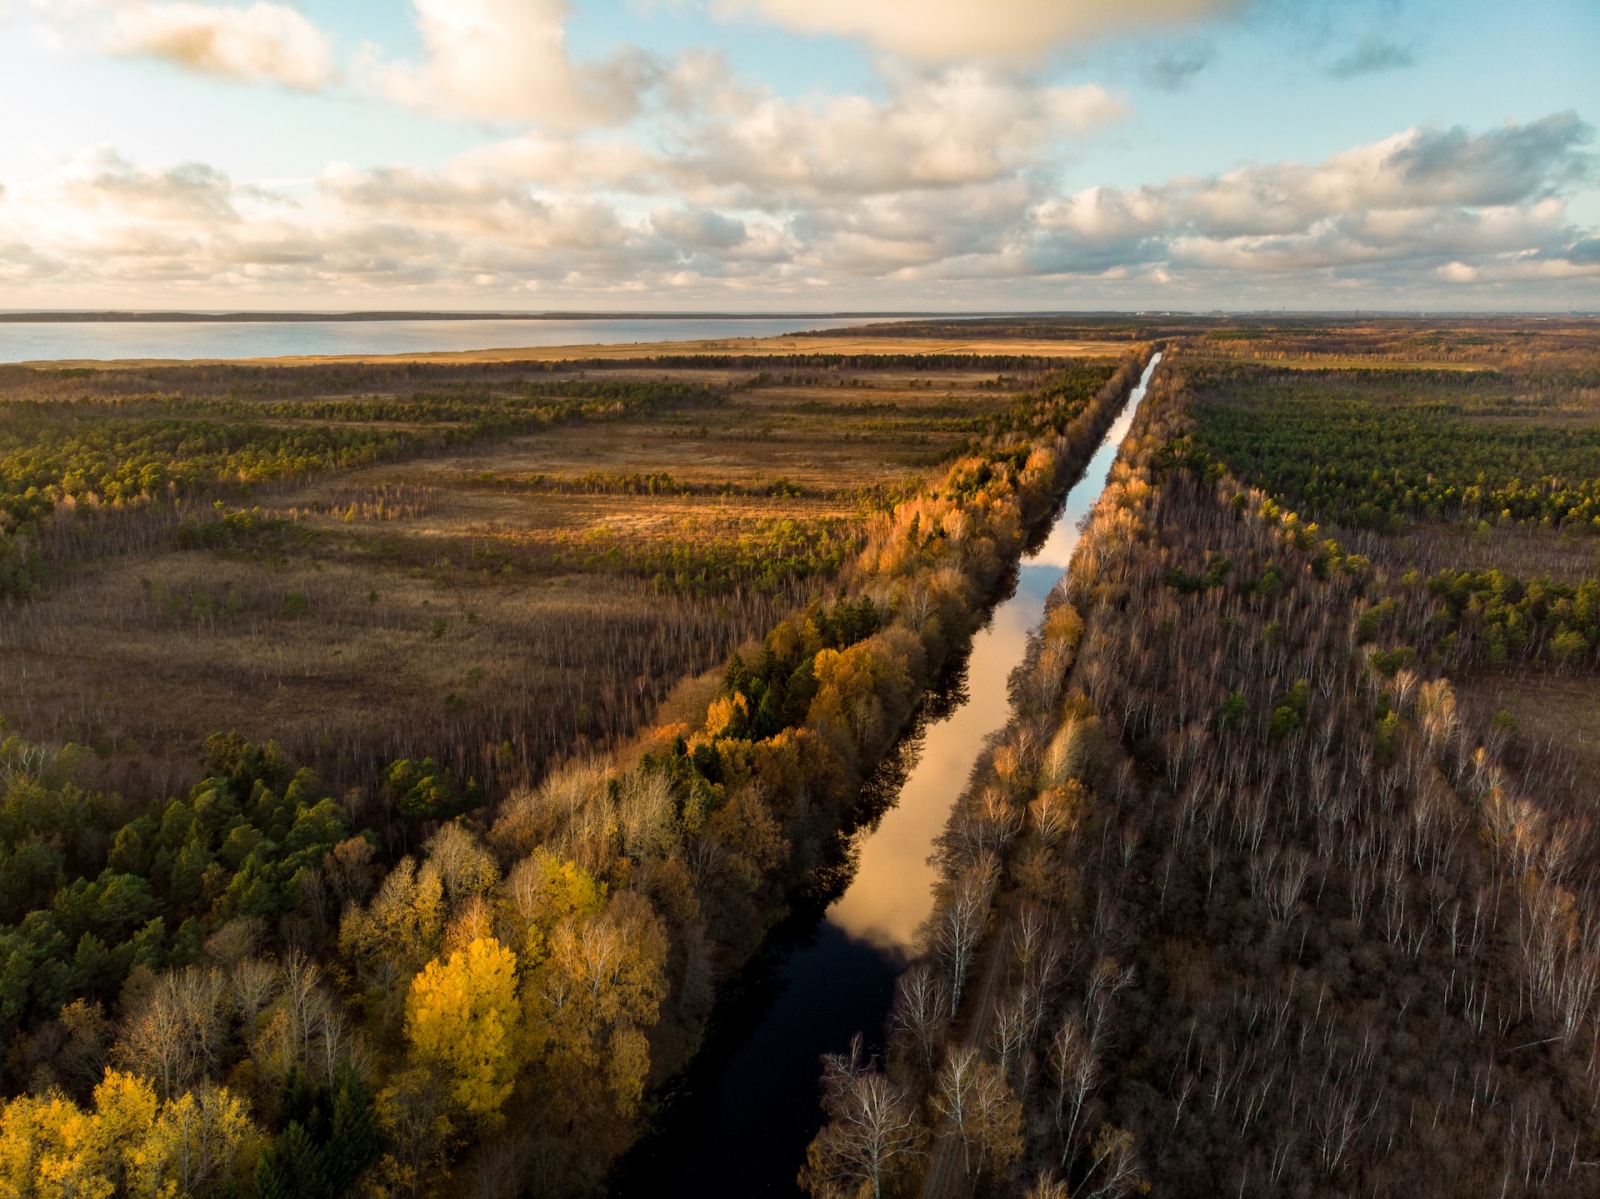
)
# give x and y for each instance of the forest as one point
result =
(287, 969)
(397, 779)
(1255, 893)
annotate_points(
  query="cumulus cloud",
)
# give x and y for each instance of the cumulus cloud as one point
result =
(720, 140)
(1429, 199)
(948, 30)
(508, 60)
(959, 127)
(261, 43)
(1411, 171)
(264, 42)
(1446, 209)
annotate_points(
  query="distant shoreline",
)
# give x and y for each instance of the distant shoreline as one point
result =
(128, 317)
(113, 316)
(825, 343)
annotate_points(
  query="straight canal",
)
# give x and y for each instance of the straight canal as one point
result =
(739, 1121)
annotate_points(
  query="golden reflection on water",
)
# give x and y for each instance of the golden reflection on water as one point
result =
(892, 891)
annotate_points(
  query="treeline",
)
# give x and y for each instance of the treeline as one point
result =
(1230, 909)
(482, 409)
(595, 482)
(1504, 342)
(1378, 448)
(243, 381)
(56, 459)
(1044, 328)
(767, 363)
(763, 555)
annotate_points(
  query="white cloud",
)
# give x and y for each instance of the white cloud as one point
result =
(721, 141)
(954, 30)
(264, 42)
(1423, 200)
(259, 43)
(1462, 213)
(1418, 169)
(507, 60)
(955, 127)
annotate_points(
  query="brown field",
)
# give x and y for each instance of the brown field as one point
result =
(1557, 719)
(494, 605)
(1333, 362)
(1345, 343)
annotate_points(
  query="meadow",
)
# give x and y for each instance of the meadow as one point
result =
(490, 566)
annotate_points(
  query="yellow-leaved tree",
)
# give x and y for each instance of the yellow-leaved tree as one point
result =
(543, 891)
(388, 941)
(600, 984)
(197, 1140)
(127, 1143)
(461, 1017)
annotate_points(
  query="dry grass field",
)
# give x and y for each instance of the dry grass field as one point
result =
(496, 596)
(492, 601)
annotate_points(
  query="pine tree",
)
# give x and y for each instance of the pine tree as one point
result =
(293, 1168)
(354, 1143)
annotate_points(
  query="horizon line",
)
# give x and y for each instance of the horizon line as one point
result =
(305, 315)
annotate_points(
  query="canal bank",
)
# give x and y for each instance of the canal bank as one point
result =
(738, 1121)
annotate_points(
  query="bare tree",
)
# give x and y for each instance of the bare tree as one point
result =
(920, 1011)
(1010, 1031)
(873, 1130)
(254, 984)
(1076, 1070)
(177, 1037)
(955, 1098)
(961, 923)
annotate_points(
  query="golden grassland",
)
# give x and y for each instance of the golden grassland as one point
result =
(496, 604)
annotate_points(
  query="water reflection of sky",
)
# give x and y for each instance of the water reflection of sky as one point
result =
(744, 1130)
(892, 891)
(74, 340)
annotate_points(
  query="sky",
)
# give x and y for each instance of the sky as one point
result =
(800, 155)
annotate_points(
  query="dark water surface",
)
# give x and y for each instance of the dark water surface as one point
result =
(738, 1122)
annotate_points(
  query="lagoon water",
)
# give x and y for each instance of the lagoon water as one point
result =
(53, 341)
(742, 1117)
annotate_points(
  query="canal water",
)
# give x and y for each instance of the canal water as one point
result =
(739, 1120)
